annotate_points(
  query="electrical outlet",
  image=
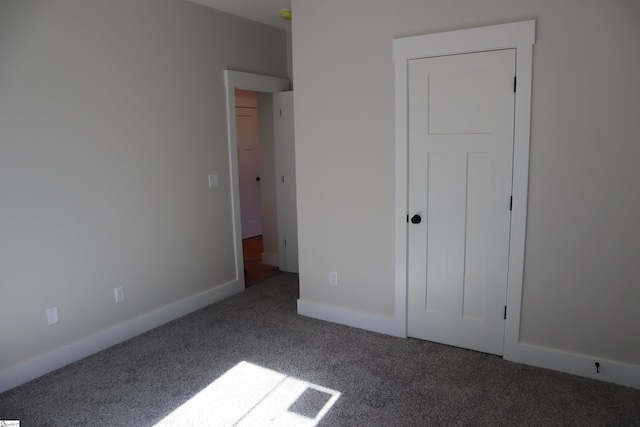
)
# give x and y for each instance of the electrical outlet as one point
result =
(52, 315)
(333, 278)
(119, 294)
(214, 181)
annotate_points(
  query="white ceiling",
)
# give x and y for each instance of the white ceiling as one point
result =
(265, 11)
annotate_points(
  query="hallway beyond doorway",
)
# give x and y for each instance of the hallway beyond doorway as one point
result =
(254, 270)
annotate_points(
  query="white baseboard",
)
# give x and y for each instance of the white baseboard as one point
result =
(528, 354)
(270, 259)
(575, 363)
(344, 316)
(40, 365)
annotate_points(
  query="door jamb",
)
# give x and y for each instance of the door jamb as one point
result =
(519, 36)
(247, 81)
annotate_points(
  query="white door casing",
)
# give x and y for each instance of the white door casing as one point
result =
(284, 141)
(247, 81)
(461, 148)
(519, 36)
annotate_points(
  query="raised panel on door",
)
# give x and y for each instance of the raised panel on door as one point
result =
(460, 162)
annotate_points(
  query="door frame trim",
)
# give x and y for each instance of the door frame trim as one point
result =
(260, 83)
(519, 36)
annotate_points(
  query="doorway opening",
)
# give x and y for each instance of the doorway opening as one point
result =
(256, 178)
(249, 166)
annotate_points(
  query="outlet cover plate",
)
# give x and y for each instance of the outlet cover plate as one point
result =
(52, 315)
(333, 278)
(119, 294)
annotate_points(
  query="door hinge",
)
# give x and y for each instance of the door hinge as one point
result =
(511, 203)
(514, 83)
(283, 179)
(505, 312)
(281, 110)
(285, 245)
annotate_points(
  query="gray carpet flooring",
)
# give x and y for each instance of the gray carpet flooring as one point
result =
(381, 380)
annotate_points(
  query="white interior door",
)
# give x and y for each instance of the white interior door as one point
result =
(286, 181)
(249, 171)
(461, 114)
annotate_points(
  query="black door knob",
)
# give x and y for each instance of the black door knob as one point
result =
(416, 219)
(258, 178)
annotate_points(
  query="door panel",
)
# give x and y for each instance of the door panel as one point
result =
(286, 181)
(460, 160)
(459, 94)
(248, 171)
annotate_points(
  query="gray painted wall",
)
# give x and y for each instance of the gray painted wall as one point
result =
(112, 114)
(581, 285)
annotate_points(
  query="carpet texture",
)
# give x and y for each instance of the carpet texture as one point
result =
(382, 380)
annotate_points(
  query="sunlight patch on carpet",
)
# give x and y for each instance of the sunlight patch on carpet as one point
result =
(250, 395)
